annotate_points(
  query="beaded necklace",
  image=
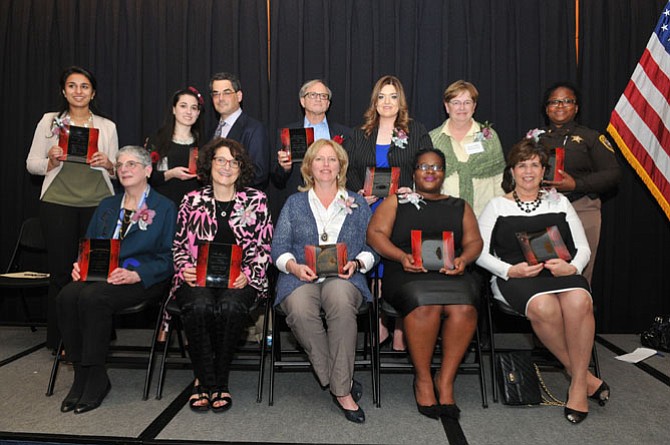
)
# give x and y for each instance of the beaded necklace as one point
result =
(529, 206)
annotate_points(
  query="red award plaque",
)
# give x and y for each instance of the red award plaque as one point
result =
(381, 182)
(296, 141)
(556, 162)
(193, 160)
(547, 244)
(98, 258)
(218, 264)
(433, 253)
(79, 144)
(327, 260)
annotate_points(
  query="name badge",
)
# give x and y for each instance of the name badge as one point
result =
(474, 147)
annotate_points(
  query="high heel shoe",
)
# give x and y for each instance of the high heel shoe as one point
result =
(573, 415)
(602, 394)
(356, 416)
(356, 390)
(85, 406)
(432, 411)
(449, 410)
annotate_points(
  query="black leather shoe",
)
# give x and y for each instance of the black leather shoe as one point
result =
(69, 404)
(602, 394)
(450, 411)
(356, 416)
(432, 411)
(356, 391)
(86, 406)
(574, 416)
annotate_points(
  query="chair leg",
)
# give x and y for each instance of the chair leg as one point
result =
(150, 361)
(492, 346)
(274, 351)
(482, 381)
(261, 364)
(374, 344)
(54, 369)
(161, 370)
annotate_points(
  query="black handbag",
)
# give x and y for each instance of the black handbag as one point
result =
(658, 335)
(519, 383)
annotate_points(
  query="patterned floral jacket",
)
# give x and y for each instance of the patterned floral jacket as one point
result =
(250, 221)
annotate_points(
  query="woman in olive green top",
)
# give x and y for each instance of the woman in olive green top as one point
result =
(71, 191)
(475, 160)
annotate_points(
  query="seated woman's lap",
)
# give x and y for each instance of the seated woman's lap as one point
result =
(460, 290)
(334, 295)
(207, 301)
(555, 304)
(101, 295)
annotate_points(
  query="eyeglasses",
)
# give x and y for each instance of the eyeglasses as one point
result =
(223, 162)
(226, 92)
(458, 103)
(128, 164)
(429, 167)
(314, 96)
(561, 102)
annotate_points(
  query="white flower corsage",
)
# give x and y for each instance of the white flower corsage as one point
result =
(534, 134)
(552, 196)
(412, 197)
(347, 203)
(399, 138)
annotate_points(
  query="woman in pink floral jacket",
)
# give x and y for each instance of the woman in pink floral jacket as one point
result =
(226, 211)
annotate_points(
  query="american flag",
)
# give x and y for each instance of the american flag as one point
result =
(641, 119)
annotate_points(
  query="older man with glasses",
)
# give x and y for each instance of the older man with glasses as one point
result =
(315, 97)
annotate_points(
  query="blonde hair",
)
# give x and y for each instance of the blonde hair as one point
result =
(372, 117)
(459, 87)
(312, 151)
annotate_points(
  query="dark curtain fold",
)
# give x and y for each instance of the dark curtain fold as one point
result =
(629, 284)
(141, 51)
(427, 44)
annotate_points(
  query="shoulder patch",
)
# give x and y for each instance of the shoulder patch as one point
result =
(603, 140)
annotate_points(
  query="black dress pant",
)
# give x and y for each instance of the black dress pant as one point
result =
(62, 227)
(213, 321)
(85, 315)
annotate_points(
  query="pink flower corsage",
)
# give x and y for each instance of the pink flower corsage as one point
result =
(155, 157)
(534, 134)
(60, 126)
(486, 132)
(552, 196)
(347, 203)
(143, 217)
(399, 138)
(243, 216)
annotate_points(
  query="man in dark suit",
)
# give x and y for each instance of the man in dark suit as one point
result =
(226, 92)
(315, 98)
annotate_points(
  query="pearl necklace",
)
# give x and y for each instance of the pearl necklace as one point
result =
(185, 141)
(86, 124)
(530, 206)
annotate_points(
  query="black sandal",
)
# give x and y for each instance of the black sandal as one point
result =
(217, 396)
(198, 395)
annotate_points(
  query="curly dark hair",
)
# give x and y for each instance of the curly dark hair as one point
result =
(207, 153)
(523, 150)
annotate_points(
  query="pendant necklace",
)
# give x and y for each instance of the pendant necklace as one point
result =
(220, 208)
(529, 206)
(324, 235)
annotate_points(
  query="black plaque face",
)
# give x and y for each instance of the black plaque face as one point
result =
(550, 171)
(382, 182)
(299, 144)
(218, 265)
(432, 254)
(98, 260)
(77, 146)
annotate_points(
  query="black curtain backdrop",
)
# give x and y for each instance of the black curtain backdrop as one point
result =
(143, 50)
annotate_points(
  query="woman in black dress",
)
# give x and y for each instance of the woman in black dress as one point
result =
(553, 294)
(172, 144)
(424, 297)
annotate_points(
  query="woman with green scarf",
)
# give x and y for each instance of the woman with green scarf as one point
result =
(475, 160)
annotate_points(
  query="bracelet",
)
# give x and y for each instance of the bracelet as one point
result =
(359, 264)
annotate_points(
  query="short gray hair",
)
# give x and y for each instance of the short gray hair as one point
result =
(305, 86)
(140, 153)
